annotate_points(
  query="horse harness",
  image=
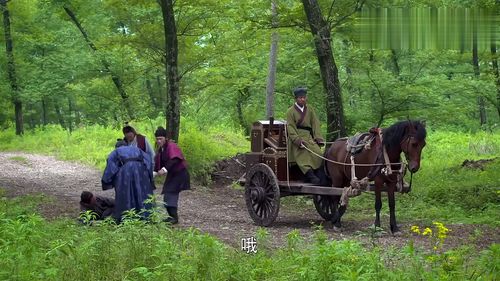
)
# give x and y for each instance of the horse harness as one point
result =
(358, 143)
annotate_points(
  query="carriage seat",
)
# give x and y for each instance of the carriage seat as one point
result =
(358, 142)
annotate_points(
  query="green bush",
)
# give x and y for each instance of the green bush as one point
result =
(92, 144)
(32, 248)
(202, 147)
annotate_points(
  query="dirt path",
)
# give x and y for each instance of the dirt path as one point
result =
(219, 210)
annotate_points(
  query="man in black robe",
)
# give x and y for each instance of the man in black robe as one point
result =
(102, 206)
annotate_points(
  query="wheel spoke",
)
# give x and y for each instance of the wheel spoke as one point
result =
(258, 210)
(264, 210)
(257, 179)
(265, 182)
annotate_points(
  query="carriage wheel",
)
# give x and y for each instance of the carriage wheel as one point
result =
(262, 194)
(325, 206)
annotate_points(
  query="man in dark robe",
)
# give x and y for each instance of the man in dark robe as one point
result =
(304, 131)
(130, 172)
(102, 206)
(169, 161)
(131, 137)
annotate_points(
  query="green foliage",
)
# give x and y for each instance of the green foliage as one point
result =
(204, 146)
(32, 248)
(92, 144)
(89, 145)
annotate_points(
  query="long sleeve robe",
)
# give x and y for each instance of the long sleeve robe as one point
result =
(170, 156)
(296, 122)
(129, 170)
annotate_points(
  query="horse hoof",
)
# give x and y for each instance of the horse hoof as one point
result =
(337, 228)
(395, 232)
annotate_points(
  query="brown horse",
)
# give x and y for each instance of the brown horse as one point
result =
(404, 136)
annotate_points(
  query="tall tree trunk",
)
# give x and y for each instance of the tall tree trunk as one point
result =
(172, 73)
(160, 92)
(149, 90)
(116, 79)
(377, 97)
(475, 64)
(243, 96)
(78, 118)
(59, 114)
(11, 69)
(395, 65)
(349, 81)
(32, 121)
(320, 30)
(494, 62)
(271, 76)
(70, 114)
(44, 112)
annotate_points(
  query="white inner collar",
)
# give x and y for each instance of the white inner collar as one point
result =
(299, 107)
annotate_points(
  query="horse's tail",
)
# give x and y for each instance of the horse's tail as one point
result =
(323, 162)
(324, 176)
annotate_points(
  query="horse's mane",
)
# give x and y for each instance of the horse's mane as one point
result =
(395, 133)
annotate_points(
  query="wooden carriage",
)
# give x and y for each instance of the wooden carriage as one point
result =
(269, 176)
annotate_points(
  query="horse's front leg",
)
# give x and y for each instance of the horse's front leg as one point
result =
(378, 205)
(392, 210)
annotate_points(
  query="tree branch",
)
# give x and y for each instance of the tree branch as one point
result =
(382, 102)
(357, 7)
(330, 11)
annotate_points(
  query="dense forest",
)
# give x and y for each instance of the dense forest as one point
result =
(77, 63)
(73, 72)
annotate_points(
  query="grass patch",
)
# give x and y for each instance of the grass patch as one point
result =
(91, 145)
(32, 248)
(22, 160)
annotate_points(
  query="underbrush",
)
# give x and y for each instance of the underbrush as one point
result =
(92, 144)
(32, 248)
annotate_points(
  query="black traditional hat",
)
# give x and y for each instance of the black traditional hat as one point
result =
(161, 132)
(300, 91)
(127, 129)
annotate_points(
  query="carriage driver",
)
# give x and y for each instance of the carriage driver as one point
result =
(304, 131)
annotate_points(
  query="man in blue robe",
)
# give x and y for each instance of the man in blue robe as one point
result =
(129, 170)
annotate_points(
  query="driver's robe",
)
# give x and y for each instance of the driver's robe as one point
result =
(303, 127)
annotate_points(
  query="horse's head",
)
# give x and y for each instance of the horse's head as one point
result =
(409, 137)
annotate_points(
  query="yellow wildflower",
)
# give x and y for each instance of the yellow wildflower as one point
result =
(441, 230)
(427, 231)
(415, 229)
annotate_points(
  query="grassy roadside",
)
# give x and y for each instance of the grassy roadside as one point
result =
(442, 190)
(32, 248)
(92, 144)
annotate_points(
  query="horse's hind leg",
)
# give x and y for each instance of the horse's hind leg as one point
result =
(392, 211)
(336, 216)
(339, 212)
